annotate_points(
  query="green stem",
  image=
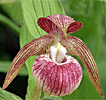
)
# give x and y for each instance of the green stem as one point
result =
(6, 21)
(42, 94)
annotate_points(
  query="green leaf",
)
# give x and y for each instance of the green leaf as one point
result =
(33, 10)
(4, 95)
(6, 1)
(13, 9)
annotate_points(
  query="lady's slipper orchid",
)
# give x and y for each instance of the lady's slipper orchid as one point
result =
(54, 71)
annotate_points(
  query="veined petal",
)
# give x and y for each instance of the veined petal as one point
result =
(35, 47)
(48, 26)
(73, 27)
(62, 21)
(59, 24)
(76, 47)
(67, 24)
(57, 79)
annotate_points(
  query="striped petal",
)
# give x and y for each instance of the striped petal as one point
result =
(65, 23)
(76, 47)
(35, 47)
(73, 27)
(57, 79)
(48, 26)
(62, 21)
(59, 25)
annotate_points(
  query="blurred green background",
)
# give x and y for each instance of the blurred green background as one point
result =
(90, 12)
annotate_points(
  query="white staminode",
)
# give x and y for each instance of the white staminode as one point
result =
(53, 53)
(61, 54)
(57, 51)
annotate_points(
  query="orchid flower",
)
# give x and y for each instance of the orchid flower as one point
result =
(53, 71)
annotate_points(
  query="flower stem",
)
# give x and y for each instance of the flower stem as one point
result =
(42, 94)
(6, 21)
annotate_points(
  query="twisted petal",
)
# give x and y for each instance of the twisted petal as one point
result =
(58, 79)
(76, 47)
(59, 24)
(35, 47)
